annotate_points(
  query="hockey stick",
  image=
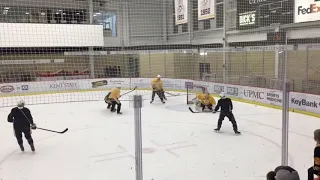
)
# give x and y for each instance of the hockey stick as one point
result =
(197, 111)
(172, 94)
(130, 91)
(43, 128)
(193, 111)
(54, 131)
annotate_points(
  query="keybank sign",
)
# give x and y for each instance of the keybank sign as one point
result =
(307, 10)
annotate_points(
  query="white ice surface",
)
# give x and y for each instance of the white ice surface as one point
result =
(178, 145)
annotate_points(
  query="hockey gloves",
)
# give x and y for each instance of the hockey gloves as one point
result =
(33, 126)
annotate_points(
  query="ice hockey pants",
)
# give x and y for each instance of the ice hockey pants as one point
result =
(231, 118)
(27, 134)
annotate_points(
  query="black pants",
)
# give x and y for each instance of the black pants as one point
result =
(109, 105)
(163, 94)
(27, 134)
(108, 101)
(113, 105)
(310, 174)
(159, 93)
(231, 118)
(204, 106)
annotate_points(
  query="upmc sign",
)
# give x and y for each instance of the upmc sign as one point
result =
(307, 10)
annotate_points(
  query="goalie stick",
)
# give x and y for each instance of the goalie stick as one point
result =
(198, 111)
(193, 111)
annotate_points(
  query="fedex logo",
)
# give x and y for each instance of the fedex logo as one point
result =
(314, 8)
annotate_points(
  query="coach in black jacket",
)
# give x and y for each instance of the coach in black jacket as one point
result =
(226, 110)
(22, 122)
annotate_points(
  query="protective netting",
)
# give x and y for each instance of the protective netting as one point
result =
(51, 40)
(193, 90)
(77, 50)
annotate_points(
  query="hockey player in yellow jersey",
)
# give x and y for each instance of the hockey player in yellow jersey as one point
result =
(157, 88)
(114, 98)
(107, 100)
(205, 100)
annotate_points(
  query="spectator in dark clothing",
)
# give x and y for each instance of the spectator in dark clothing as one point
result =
(106, 71)
(111, 74)
(115, 71)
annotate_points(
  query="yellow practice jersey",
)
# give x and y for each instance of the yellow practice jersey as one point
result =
(157, 84)
(206, 100)
(115, 94)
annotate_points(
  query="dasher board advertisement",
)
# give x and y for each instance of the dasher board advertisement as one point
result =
(181, 11)
(205, 9)
(307, 10)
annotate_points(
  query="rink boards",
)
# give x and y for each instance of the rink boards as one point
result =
(299, 102)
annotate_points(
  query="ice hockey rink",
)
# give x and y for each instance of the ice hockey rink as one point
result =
(176, 143)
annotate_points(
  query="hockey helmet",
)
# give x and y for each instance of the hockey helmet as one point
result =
(222, 95)
(158, 76)
(21, 103)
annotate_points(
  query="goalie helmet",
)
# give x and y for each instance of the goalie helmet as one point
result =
(21, 104)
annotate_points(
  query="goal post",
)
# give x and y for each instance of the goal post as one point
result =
(192, 91)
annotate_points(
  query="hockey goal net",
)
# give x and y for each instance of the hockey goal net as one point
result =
(192, 92)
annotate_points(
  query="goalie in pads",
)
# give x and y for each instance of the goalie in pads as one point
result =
(204, 102)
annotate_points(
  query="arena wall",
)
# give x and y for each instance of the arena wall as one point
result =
(299, 102)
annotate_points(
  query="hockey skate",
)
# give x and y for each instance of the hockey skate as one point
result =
(151, 101)
(113, 110)
(237, 132)
(217, 129)
(21, 147)
(119, 112)
(32, 147)
(162, 101)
